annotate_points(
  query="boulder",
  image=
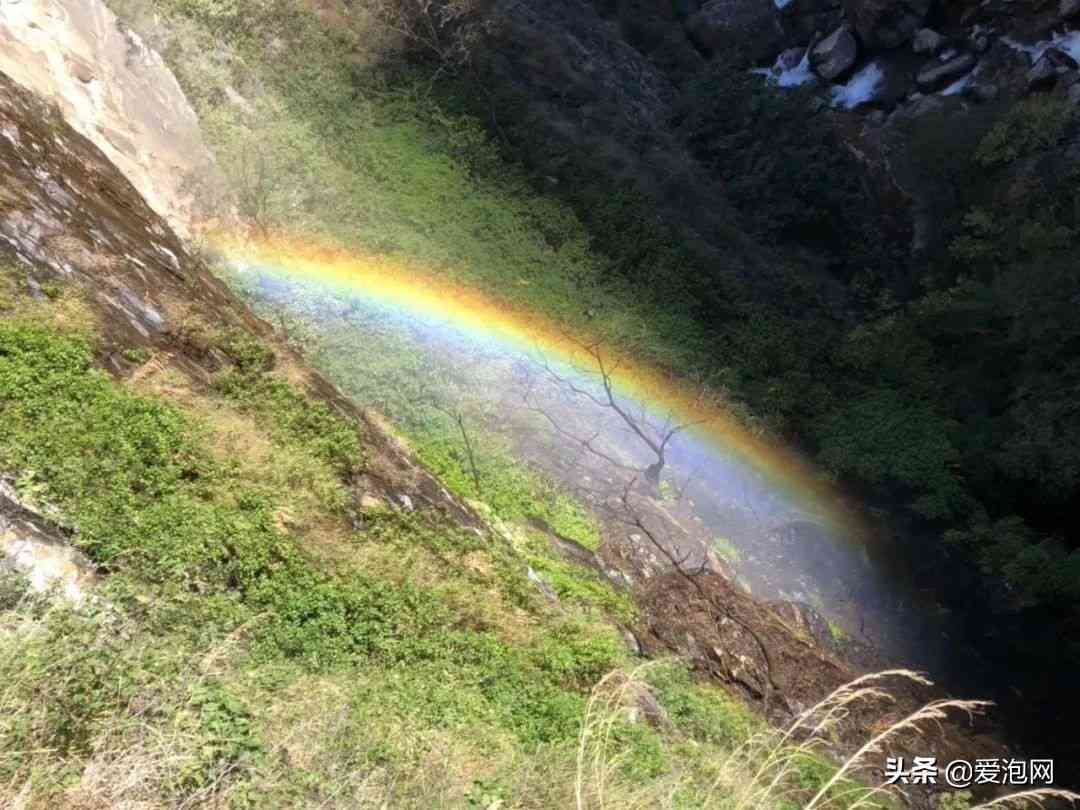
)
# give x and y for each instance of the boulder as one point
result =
(897, 67)
(801, 19)
(886, 23)
(33, 544)
(927, 40)
(835, 55)
(1053, 63)
(114, 90)
(751, 24)
(790, 58)
(936, 74)
(983, 91)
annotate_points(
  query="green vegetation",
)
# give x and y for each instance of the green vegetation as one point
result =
(728, 550)
(941, 387)
(513, 492)
(223, 663)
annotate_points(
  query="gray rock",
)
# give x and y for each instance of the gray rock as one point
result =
(886, 23)
(1052, 64)
(1068, 8)
(790, 58)
(980, 43)
(33, 546)
(542, 586)
(835, 55)
(919, 105)
(935, 75)
(927, 40)
(983, 91)
(801, 19)
(651, 711)
(632, 643)
(1074, 94)
(754, 24)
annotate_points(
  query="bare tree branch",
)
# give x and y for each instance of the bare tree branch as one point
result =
(657, 438)
(631, 516)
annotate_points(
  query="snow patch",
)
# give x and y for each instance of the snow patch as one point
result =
(782, 3)
(859, 88)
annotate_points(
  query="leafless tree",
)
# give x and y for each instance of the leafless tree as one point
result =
(655, 436)
(445, 30)
(631, 515)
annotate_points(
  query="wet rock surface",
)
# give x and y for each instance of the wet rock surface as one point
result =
(937, 74)
(886, 23)
(35, 546)
(835, 55)
(1052, 65)
(68, 214)
(113, 89)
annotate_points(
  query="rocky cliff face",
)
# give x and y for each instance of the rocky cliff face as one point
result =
(112, 89)
(67, 215)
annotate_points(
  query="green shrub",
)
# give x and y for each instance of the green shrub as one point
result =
(1032, 125)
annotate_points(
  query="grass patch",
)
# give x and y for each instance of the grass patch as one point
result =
(728, 550)
(207, 589)
(512, 490)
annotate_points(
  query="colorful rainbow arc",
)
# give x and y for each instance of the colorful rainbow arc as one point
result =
(423, 294)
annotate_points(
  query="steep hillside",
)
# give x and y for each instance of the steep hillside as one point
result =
(245, 592)
(225, 583)
(853, 220)
(869, 208)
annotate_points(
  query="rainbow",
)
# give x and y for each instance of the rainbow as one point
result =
(424, 294)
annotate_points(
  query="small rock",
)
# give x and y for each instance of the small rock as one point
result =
(886, 23)
(835, 55)
(406, 501)
(790, 58)
(927, 40)
(371, 503)
(1053, 63)
(1074, 94)
(983, 91)
(653, 713)
(980, 43)
(542, 586)
(1068, 8)
(935, 75)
